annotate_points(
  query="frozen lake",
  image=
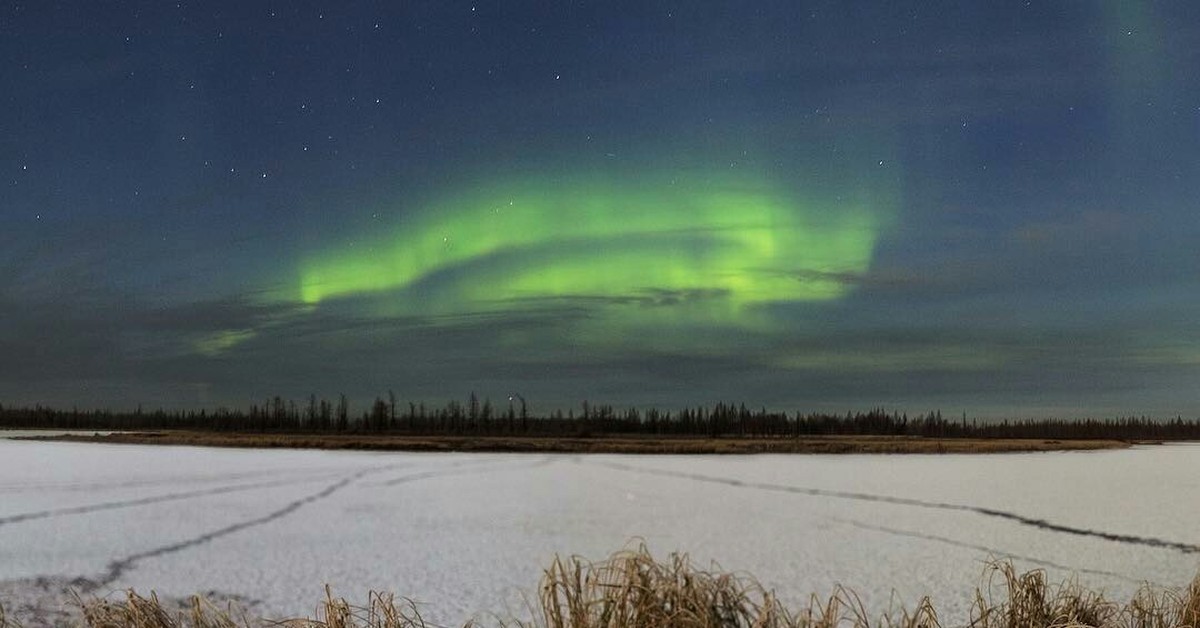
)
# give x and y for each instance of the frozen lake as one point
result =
(470, 533)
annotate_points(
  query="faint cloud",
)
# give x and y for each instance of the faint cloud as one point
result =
(646, 297)
(892, 278)
(217, 343)
(1088, 227)
(910, 359)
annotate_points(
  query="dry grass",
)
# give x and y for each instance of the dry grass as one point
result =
(1028, 602)
(633, 444)
(631, 589)
(4, 621)
(136, 611)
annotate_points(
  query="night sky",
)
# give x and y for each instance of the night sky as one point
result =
(990, 208)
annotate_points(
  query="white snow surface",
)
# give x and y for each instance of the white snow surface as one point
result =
(468, 534)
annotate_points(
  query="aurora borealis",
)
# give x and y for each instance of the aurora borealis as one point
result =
(739, 238)
(802, 205)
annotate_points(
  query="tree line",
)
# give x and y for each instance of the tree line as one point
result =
(476, 417)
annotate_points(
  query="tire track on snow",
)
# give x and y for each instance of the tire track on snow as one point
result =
(466, 468)
(120, 567)
(982, 548)
(171, 481)
(144, 501)
(1041, 524)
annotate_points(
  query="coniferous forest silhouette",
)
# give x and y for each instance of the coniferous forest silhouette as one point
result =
(481, 417)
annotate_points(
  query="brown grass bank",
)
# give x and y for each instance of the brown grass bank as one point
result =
(632, 590)
(632, 444)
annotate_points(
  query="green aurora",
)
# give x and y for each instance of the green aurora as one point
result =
(741, 242)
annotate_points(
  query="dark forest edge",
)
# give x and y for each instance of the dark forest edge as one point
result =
(626, 444)
(481, 419)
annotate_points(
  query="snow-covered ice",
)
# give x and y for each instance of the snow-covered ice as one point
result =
(468, 534)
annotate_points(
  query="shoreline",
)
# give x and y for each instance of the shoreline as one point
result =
(614, 444)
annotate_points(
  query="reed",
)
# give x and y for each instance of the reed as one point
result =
(631, 589)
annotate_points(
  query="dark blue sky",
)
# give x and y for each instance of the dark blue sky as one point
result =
(807, 205)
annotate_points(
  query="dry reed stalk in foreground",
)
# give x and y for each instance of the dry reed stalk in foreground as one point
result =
(1031, 603)
(632, 590)
(382, 611)
(139, 612)
(4, 622)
